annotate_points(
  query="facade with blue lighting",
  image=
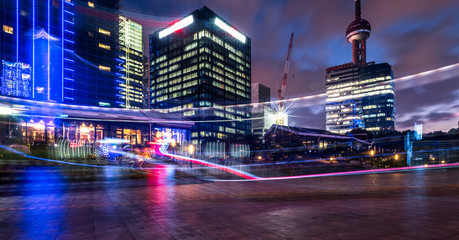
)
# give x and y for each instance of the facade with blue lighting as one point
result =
(49, 50)
(202, 61)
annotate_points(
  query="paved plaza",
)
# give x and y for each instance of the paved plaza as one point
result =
(421, 204)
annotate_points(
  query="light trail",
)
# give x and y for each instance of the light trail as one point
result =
(234, 171)
(248, 176)
(360, 172)
(64, 162)
(308, 97)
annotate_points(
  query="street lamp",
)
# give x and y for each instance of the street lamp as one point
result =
(191, 149)
(396, 156)
(6, 110)
(372, 152)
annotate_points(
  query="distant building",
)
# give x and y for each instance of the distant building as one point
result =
(262, 115)
(131, 48)
(360, 94)
(202, 61)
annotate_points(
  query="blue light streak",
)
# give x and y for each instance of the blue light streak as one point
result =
(49, 53)
(63, 47)
(33, 49)
(17, 30)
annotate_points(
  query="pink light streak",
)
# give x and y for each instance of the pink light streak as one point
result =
(370, 171)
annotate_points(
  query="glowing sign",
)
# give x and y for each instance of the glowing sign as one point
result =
(177, 26)
(168, 135)
(233, 32)
(15, 79)
(42, 34)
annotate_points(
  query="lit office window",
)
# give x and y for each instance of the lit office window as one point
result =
(8, 29)
(105, 32)
(104, 68)
(104, 46)
(91, 4)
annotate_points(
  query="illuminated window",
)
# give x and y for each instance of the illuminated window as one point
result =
(91, 4)
(104, 46)
(105, 32)
(8, 29)
(104, 68)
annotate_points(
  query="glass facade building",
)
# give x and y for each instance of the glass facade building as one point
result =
(36, 49)
(198, 62)
(360, 96)
(131, 53)
(60, 50)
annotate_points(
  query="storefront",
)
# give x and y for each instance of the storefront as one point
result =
(35, 123)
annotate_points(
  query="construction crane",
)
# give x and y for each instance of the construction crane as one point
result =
(281, 91)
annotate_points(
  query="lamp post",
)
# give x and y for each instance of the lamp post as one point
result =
(173, 144)
(191, 150)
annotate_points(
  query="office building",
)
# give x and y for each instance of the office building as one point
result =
(360, 94)
(60, 51)
(202, 61)
(36, 49)
(131, 48)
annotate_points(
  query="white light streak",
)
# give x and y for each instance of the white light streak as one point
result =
(233, 32)
(177, 26)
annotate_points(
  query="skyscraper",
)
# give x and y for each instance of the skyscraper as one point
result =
(36, 49)
(60, 50)
(360, 94)
(202, 61)
(131, 49)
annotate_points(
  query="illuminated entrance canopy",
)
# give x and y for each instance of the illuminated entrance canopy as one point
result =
(177, 26)
(233, 32)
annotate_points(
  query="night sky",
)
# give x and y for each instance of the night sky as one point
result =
(412, 35)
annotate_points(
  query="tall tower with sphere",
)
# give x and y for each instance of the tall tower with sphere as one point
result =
(360, 94)
(357, 34)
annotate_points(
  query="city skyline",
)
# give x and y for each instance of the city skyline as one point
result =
(404, 36)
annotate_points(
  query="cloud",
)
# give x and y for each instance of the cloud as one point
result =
(412, 35)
